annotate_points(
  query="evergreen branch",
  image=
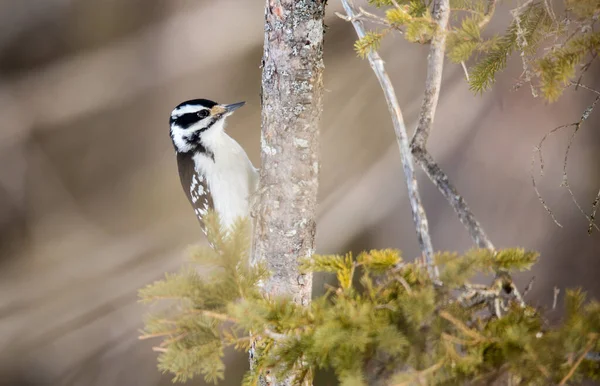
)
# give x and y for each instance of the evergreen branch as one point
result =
(418, 212)
(530, 22)
(368, 43)
(558, 67)
(379, 260)
(392, 329)
(536, 360)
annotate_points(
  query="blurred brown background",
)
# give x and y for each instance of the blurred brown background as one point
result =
(90, 203)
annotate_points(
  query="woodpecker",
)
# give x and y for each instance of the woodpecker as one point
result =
(214, 170)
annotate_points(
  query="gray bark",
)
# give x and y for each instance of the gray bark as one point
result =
(292, 93)
(435, 66)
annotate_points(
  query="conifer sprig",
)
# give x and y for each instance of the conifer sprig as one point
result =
(192, 329)
(393, 315)
(554, 49)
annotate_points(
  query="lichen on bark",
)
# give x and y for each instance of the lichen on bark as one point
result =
(292, 91)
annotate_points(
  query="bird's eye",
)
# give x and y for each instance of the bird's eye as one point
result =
(202, 114)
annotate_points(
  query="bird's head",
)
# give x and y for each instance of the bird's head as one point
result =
(192, 120)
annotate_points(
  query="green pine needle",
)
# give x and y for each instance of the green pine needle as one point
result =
(397, 320)
(368, 43)
(530, 27)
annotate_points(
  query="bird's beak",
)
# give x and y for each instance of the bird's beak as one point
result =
(226, 109)
(234, 106)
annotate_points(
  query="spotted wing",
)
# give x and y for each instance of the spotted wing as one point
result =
(195, 187)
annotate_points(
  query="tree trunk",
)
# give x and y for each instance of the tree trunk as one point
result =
(292, 91)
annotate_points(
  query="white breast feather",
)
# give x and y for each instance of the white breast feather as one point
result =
(231, 178)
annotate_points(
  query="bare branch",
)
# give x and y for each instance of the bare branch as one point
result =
(565, 182)
(522, 43)
(537, 151)
(489, 12)
(419, 216)
(529, 286)
(274, 335)
(435, 65)
(456, 201)
(591, 342)
(365, 16)
(585, 87)
(372, 17)
(464, 67)
(593, 215)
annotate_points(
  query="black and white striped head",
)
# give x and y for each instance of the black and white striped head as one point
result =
(192, 119)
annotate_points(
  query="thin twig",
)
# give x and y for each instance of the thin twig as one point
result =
(419, 216)
(517, 294)
(555, 300)
(497, 308)
(586, 350)
(395, 4)
(215, 315)
(536, 359)
(173, 340)
(522, 43)
(489, 12)
(405, 285)
(593, 214)
(157, 334)
(455, 340)
(565, 182)
(529, 286)
(585, 87)
(537, 151)
(373, 17)
(463, 327)
(464, 67)
(366, 16)
(585, 68)
(421, 373)
(274, 335)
